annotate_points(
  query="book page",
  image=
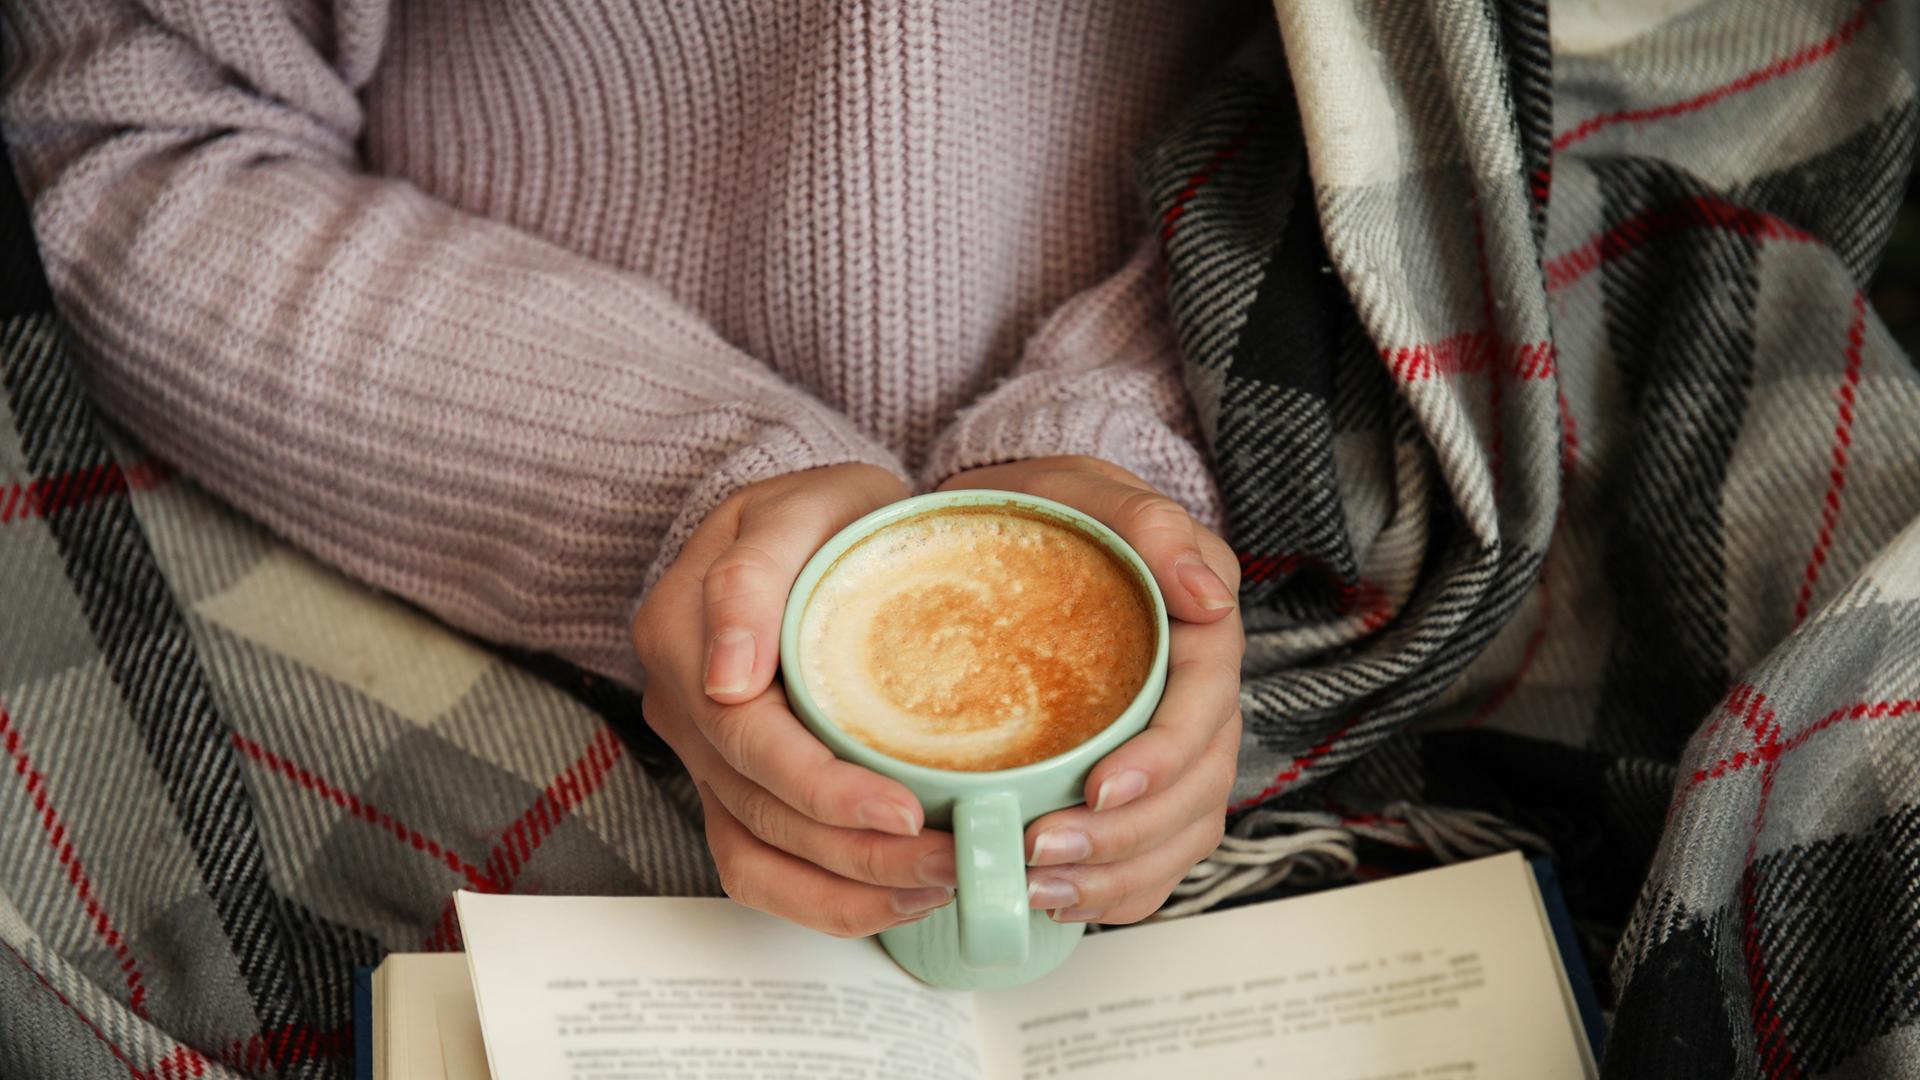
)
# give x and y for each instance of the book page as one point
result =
(1449, 974)
(647, 988)
(463, 1053)
(416, 997)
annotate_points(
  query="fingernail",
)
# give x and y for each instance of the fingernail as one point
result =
(1056, 846)
(915, 901)
(1076, 915)
(1048, 893)
(937, 868)
(1203, 584)
(887, 817)
(1120, 789)
(729, 661)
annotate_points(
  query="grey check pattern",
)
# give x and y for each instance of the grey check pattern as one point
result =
(1576, 484)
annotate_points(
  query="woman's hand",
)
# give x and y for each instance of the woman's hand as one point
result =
(794, 830)
(1157, 804)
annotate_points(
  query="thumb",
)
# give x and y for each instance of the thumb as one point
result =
(744, 590)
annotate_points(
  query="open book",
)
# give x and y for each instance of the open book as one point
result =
(1448, 974)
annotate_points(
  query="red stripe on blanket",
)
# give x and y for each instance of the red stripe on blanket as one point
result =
(1286, 777)
(367, 812)
(52, 494)
(1372, 601)
(1785, 65)
(76, 874)
(118, 1054)
(1178, 207)
(445, 935)
(1875, 710)
(1768, 752)
(1700, 212)
(1776, 1057)
(1735, 703)
(1469, 353)
(519, 841)
(568, 790)
(183, 1064)
(1846, 396)
(284, 1046)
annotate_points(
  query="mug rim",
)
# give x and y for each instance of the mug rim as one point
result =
(848, 748)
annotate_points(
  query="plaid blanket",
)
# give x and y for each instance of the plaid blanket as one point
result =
(1571, 474)
(229, 776)
(1575, 480)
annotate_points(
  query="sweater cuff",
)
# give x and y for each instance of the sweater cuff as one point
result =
(1123, 425)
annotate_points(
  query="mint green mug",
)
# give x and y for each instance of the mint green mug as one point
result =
(988, 938)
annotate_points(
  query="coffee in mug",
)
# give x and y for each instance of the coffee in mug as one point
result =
(977, 638)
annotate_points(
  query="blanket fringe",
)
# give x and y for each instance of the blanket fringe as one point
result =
(1312, 849)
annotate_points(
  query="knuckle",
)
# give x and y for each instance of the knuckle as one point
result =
(1207, 667)
(762, 815)
(741, 574)
(1116, 839)
(843, 918)
(1235, 729)
(1220, 555)
(730, 729)
(813, 796)
(730, 881)
(1149, 512)
(1225, 769)
(1106, 470)
(1104, 888)
(867, 858)
(737, 885)
(1216, 832)
(1143, 905)
(793, 495)
(1224, 766)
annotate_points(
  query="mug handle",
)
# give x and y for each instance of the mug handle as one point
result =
(990, 861)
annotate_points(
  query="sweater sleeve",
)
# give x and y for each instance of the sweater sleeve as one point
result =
(1101, 377)
(516, 438)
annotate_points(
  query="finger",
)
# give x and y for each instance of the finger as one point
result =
(762, 878)
(764, 742)
(1078, 835)
(781, 757)
(1202, 695)
(744, 590)
(674, 601)
(1126, 891)
(856, 854)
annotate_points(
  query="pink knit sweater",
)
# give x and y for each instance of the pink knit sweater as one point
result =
(490, 303)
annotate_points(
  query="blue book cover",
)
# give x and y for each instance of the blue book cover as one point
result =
(363, 1023)
(1570, 955)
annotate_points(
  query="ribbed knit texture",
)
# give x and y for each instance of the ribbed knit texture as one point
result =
(490, 304)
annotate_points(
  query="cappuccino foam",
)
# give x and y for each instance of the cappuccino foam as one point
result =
(976, 638)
